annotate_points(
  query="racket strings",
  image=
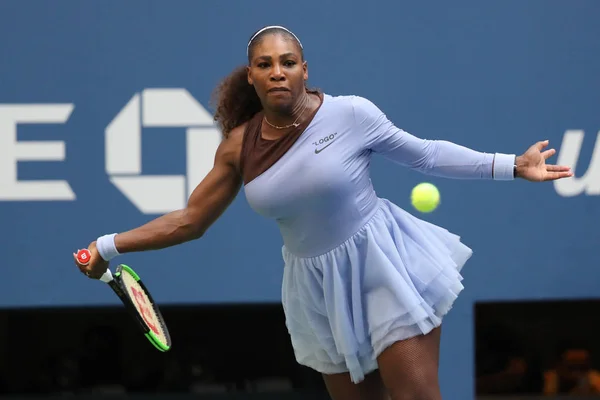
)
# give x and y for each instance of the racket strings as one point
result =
(144, 306)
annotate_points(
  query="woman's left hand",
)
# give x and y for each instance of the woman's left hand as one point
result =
(532, 165)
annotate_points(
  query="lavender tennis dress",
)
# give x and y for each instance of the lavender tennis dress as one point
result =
(361, 273)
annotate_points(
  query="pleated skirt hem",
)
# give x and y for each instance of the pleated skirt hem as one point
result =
(394, 279)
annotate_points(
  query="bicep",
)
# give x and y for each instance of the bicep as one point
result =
(216, 191)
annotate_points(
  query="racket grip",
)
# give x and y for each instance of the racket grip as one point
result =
(84, 255)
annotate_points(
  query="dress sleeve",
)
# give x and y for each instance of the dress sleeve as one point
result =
(433, 157)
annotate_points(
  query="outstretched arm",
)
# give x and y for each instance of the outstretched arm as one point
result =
(447, 159)
(433, 157)
(208, 201)
(206, 204)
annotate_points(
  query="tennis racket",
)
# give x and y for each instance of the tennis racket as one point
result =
(137, 300)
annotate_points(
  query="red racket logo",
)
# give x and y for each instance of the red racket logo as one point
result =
(83, 256)
(148, 317)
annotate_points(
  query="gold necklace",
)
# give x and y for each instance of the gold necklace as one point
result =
(295, 124)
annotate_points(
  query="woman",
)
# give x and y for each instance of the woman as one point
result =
(365, 283)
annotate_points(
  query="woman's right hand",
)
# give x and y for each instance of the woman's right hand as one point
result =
(96, 267)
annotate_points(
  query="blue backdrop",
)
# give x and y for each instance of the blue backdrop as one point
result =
(83, 83)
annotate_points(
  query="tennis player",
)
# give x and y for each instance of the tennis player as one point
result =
(365, 283)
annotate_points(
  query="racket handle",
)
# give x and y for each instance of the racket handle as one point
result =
(84, 255)
(107, 276)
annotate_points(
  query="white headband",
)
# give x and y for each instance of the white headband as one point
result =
(271, 27)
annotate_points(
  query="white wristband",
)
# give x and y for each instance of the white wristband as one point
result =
(504, 167)
(106, 247)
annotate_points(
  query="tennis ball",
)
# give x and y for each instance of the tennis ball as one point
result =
(425, 197)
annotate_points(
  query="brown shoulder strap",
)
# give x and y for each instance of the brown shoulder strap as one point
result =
(252, 130)
(258, 154)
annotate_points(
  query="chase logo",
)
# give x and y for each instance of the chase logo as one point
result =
(159, 108)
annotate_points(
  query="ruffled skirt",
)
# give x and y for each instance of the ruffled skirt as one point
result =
(393, 279)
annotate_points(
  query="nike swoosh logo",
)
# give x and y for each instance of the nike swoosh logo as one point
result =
(317, 151)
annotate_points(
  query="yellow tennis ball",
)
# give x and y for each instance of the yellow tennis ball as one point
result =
(425, 197)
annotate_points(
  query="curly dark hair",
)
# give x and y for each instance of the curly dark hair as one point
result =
(234, 98)
(235, 101)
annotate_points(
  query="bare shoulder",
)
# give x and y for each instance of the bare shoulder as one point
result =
(230, 149)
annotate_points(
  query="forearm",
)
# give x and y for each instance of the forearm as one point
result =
(450, 160)
(165, 231)
(445, 159)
